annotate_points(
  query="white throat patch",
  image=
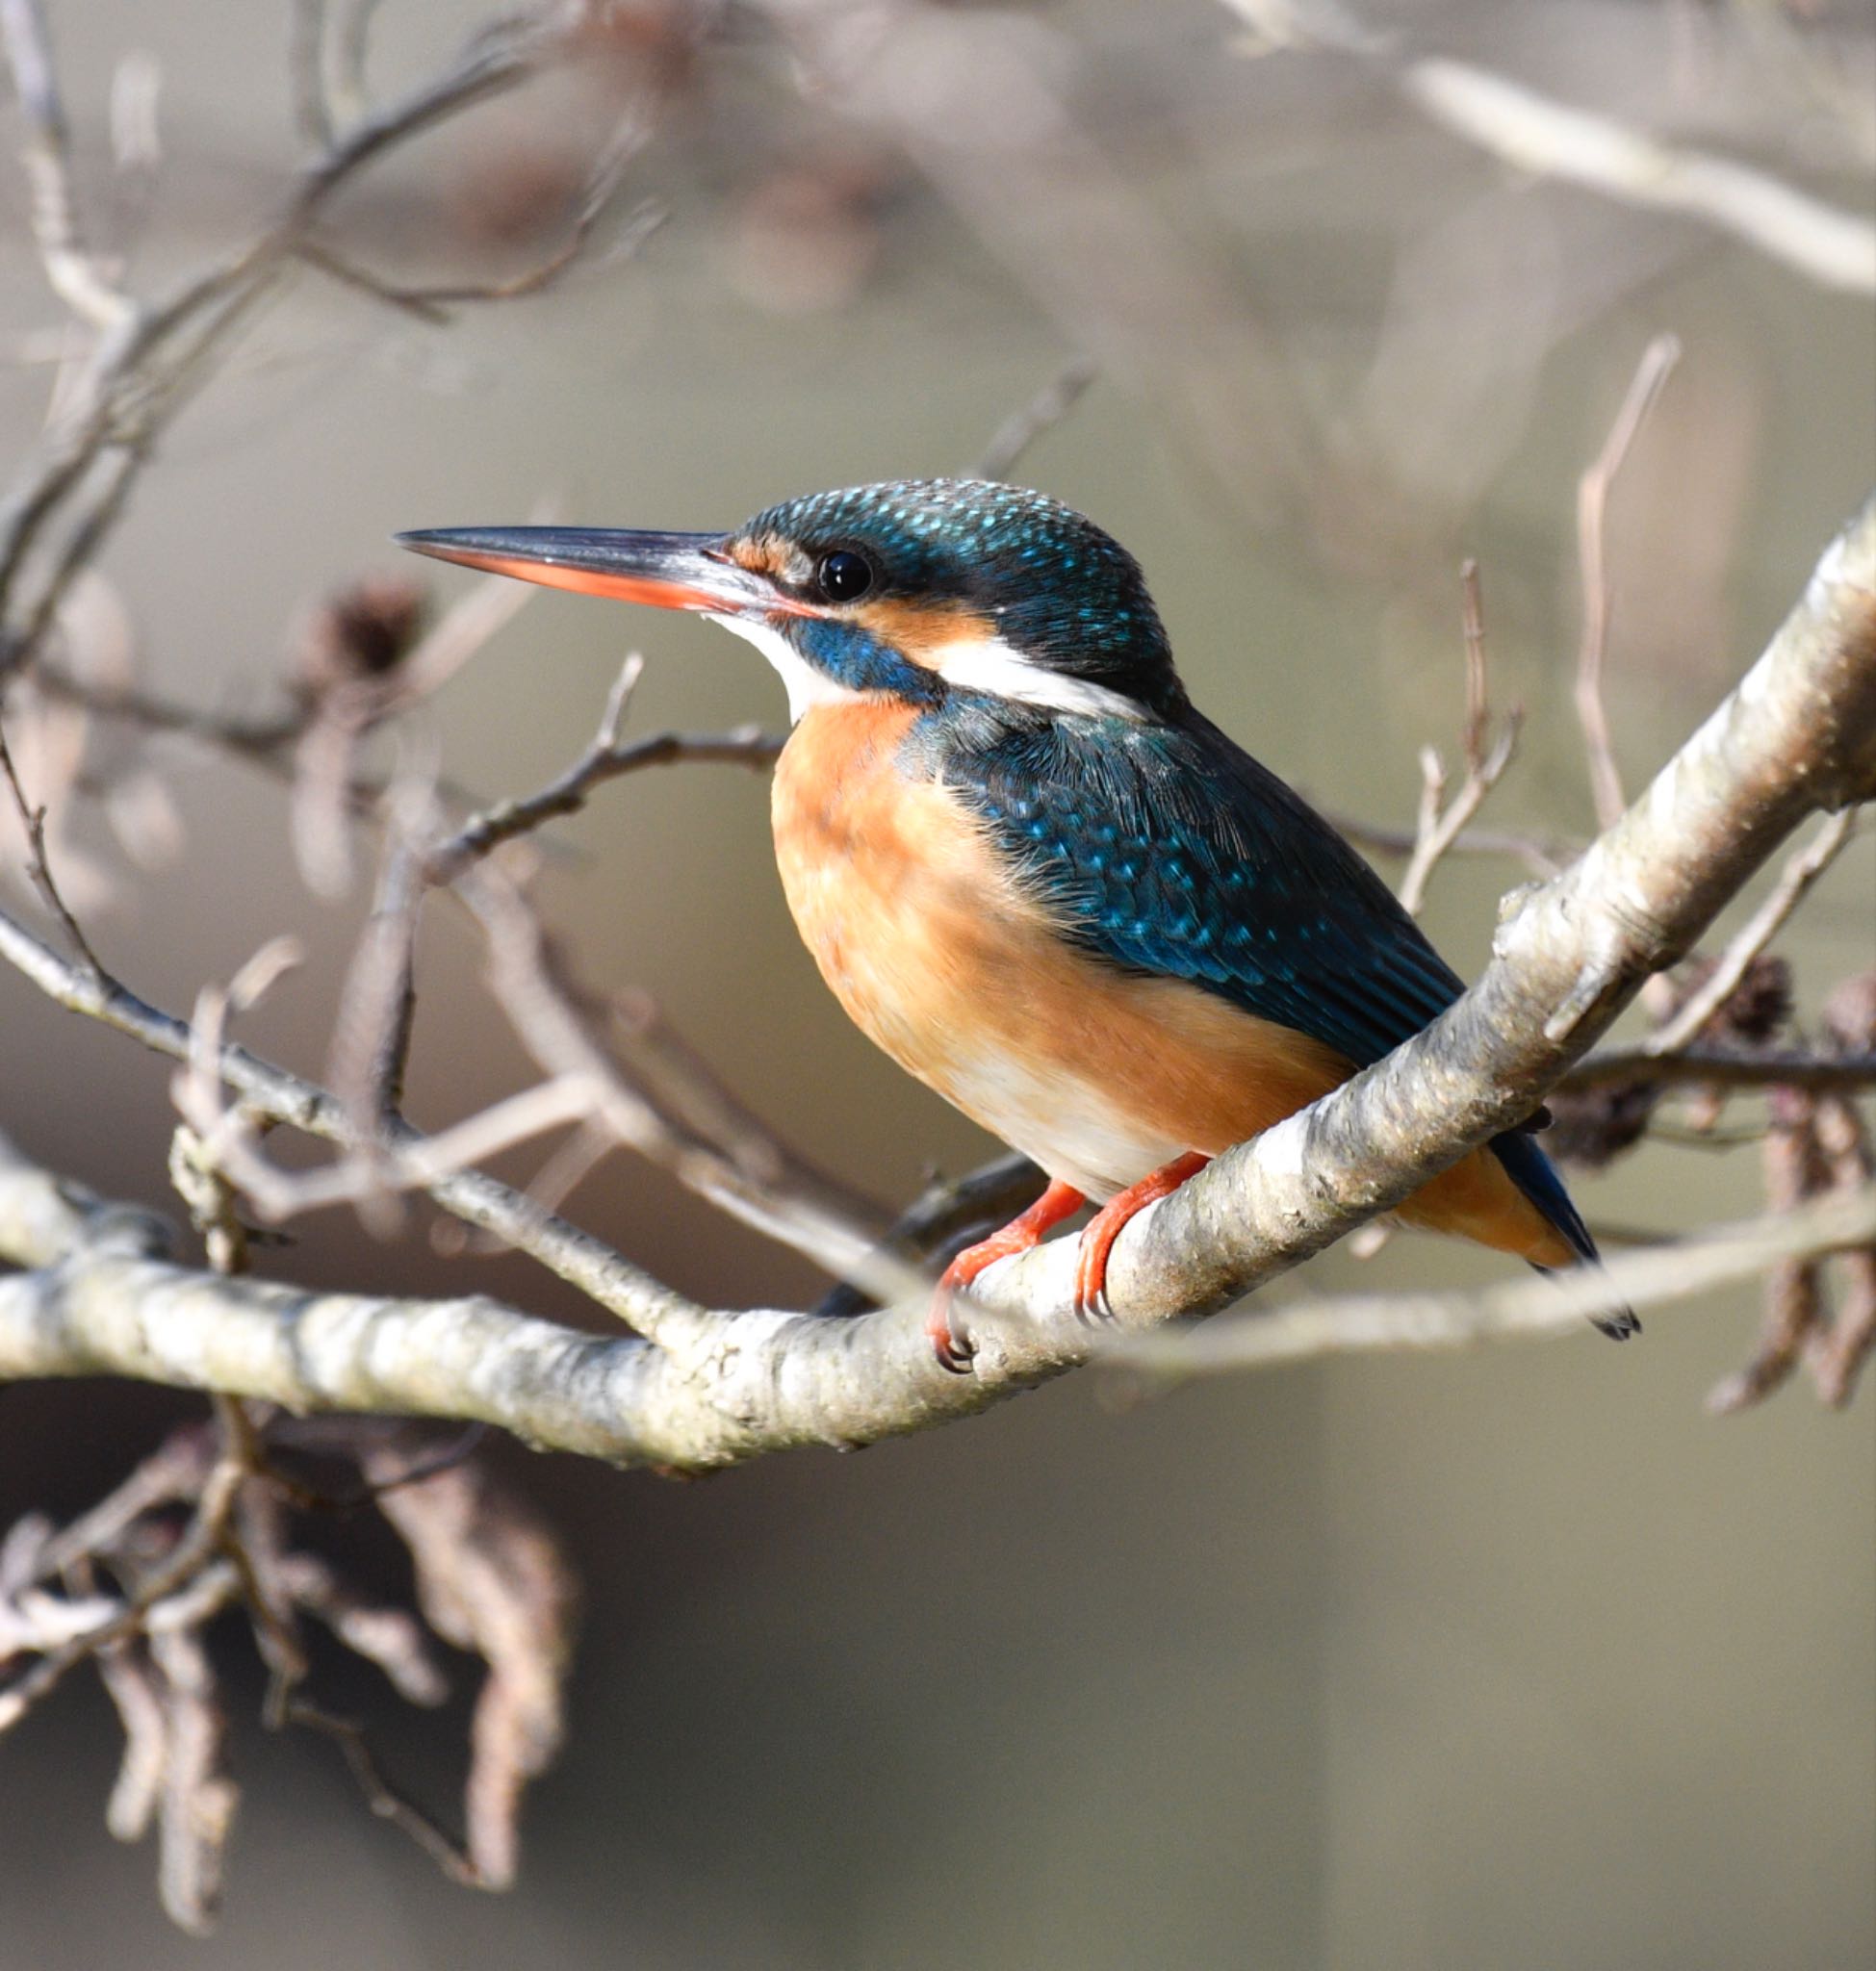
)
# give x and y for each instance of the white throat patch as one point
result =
(991, 665)
(807, 687)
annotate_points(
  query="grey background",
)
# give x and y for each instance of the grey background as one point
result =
(1509, 1659)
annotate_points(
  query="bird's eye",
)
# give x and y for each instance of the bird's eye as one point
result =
(843, 577)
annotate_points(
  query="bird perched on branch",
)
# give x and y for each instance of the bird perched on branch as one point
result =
(1032, 871)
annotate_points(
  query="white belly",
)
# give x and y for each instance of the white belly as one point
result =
(1066, 1123)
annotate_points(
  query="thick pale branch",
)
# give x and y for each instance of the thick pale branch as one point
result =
(767, 1381)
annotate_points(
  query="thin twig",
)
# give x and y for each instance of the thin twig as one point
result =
(32, 821)
(606, 759)
(576, 1256)
(1040, 415)
(1541, 854)
(78, 276)
(1592, 512)
(143, 362)
(434, 302)
(1441, 822)
(1795, 880)
(181, 1567)
(382, 1798)
(777, 1192)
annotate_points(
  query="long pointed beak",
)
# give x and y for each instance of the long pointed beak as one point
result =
(668, 570)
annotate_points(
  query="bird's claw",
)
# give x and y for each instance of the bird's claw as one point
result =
(1092, 1307)
(953, 1348)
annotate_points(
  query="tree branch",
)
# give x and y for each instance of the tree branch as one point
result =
(145, 354)
(1548, 139)
(576, 1256)
(1360, 1324)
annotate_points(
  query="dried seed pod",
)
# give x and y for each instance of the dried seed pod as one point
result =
(1592, 1127)
(365, 630)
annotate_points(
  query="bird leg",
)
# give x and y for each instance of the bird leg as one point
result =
(1104, 1228)
(954, 1349)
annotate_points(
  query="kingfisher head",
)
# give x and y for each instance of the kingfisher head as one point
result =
(933, 591)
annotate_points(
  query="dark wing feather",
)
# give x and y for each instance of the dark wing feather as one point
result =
(1169, 850)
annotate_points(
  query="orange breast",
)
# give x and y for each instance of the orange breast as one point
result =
(947, 964)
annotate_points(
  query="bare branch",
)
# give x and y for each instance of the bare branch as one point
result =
(1554, 139)
(1592, 513)
(176, 1574)
(78, 276)
(1800, 872)
(777, 1193)
(147, 355)
(31, 822)
(606, 759)
(1441, 822)
(432, 303)
(1046, 410)
(1357, 1323)
(576, 1256)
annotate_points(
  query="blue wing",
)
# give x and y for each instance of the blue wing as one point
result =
(1169, 850)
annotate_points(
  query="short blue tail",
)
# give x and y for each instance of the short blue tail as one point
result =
(1536, 1175)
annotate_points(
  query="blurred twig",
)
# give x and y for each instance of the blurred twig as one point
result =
(1046, 410)
(31, 822)
(1800, 872)
(610, 756)
(146, 355)
(1547, 138)
(80, 277)
(1442, 822)
(1734, 1068)
(1592, 514)
(1555, 140)
(490, 1577)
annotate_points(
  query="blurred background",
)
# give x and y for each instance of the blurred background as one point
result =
(1512, 1659)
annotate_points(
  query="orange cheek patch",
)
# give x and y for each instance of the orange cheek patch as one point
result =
(762, 554)
(918, 630)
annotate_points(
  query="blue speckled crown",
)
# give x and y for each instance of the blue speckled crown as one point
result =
(1056, 587)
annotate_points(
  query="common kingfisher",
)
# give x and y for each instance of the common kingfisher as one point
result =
(1032, 871)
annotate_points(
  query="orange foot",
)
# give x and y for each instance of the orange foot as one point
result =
(953, 1348)
(1104, 1228)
